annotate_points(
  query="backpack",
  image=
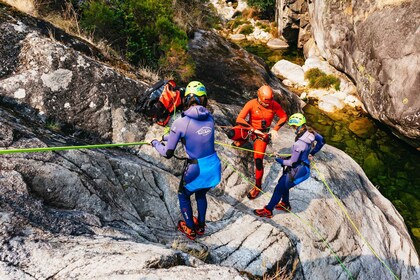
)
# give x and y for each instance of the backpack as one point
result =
(160, 101)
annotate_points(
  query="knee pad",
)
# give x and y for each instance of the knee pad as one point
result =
(259, 163)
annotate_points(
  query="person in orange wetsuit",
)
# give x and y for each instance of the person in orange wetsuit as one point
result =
(260, 112)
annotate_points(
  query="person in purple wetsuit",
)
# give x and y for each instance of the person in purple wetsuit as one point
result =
(297, 166)
(195, 129)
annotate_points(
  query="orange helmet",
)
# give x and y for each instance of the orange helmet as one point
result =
(265, 94)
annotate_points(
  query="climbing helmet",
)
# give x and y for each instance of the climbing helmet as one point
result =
(297, 120)
(195, 92)
(265, 95)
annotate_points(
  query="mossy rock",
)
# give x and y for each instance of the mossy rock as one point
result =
(362, 127)
(416, 232)
(373, 166)
(351, 143)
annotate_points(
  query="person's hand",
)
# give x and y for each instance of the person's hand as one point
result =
(258, 132)
(274, 134)
(152, 142)
(280, 160)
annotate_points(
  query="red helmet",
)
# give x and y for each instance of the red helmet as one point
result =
(265, 94)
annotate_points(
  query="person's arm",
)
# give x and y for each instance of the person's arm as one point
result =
(241, 119)
(294, 157)
(172, 140)
(281, 114)
(320, 142)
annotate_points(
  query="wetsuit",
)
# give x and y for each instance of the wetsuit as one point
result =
(195, 129)
(260, 118)
(298, 166)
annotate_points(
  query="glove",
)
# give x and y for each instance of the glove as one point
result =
(274, 134)
(154, 142)
(257, 132)
(280, 160)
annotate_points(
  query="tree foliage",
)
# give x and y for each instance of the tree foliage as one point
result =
(267, 8)
(144, 31)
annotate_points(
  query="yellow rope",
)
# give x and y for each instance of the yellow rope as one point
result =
(296, 215)
(351, 221)
(249, 150)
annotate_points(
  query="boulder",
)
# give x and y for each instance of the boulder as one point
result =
(365, 41)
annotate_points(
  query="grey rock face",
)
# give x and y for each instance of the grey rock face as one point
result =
(50, 82)
(231, 74)
(112, 213)
(377, 44)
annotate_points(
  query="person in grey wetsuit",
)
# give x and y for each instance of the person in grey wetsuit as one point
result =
(297, 166)
(195, 129)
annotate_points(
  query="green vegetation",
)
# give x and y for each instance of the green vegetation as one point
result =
(318, 79)
(53, 125)
(142, 30)
(148, 33)
(266, 8)
(247, 29)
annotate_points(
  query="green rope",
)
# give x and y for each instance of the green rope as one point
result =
(297, 216)
(252, 151)
(47, 149)
(351, 221)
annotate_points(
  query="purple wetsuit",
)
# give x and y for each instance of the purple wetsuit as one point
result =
(195, 129)
(298, 167)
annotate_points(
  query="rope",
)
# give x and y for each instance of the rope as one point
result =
(47, 149)
(297, 216)
(252, 151)
(351, 221)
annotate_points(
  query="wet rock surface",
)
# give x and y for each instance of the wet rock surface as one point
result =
(365, 41)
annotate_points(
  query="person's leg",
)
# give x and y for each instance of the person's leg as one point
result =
(259, 150)
(201, 198)
(301, 173)
(279, 192)
(185, 206)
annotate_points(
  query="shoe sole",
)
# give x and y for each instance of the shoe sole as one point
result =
(283, 209)
(186, 234)
(252, 197)
(270, 216)
(195, 220)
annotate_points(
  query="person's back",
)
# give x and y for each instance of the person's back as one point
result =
(202, 171)
(196, 129)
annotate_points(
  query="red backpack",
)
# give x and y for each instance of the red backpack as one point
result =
(160, 101)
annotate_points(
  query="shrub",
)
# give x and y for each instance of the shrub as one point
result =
(318, 79)
(247, 29)
(144, 31)
(266, 7)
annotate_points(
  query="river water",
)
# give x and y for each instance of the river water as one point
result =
(389, 163)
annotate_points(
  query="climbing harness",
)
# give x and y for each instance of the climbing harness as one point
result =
(249, 150)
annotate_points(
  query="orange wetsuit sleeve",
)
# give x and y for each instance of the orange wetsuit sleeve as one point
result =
(281, 114)
(241, 119)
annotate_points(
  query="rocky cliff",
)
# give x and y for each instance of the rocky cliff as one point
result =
(111, 213)
(377, 44)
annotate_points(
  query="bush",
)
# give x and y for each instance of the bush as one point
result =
(267, 8)
(318, 79)
(247, 29)
(144, 31)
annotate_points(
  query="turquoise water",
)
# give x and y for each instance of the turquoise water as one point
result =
(390, 164)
